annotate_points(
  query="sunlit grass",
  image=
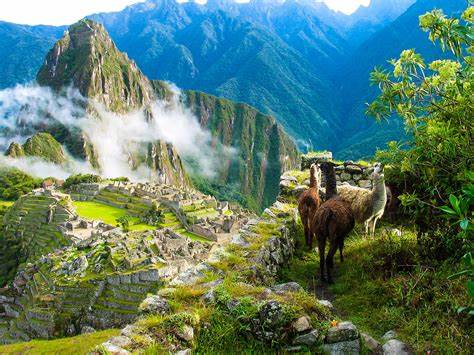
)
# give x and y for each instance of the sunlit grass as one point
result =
(108, 214)
(80, 344)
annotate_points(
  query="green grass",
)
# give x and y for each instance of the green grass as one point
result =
(6, 203)
(107, 214)
(80, 344)
(382, 285)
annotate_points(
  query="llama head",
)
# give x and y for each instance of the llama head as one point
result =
(326, 167)
(378, 174)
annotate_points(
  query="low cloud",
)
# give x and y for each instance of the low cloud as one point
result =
(116, 138)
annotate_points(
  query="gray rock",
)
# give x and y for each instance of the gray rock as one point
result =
(351, 347)
(209, 297)
(184, 352)
(372, 345)
(154, 304)
(308, 339)
(391, 334)
(128, 330)
(271, 314)
(298, 190)
(269, 213)
(120, 341)
(186, 333)
(326, 304)
(239, 240)
(114, 349)
(344, 331)
(287, 287)
(165, 292)
(86, 329)
(396, 347)
(302, 324)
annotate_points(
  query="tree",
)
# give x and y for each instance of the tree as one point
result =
(436, 103)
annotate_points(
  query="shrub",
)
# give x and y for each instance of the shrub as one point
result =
(435, 102)
(81, 179)
(14, 183)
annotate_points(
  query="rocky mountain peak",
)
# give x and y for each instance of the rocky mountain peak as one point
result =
(87, 58)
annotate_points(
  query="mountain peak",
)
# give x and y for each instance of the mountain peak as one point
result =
(87, 58)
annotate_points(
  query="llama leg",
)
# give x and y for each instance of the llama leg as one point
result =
(306, 232)
(366, 225)
(341, 248)
(321, 247)
(373, 226)
(330, 260)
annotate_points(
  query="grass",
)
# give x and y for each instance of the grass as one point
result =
(107, 214)
(6, 203)
(80, 344)
(382, 286)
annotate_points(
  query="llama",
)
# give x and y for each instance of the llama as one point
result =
(332, 222)
(368, 205)
(309, 202)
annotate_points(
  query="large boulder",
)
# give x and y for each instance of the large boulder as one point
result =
(154, 304)
(396, 347)
(343, 331)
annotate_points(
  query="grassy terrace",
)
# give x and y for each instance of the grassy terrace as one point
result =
(107, 214)
(80, 344)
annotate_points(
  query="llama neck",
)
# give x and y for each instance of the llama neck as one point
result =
(312, 177)
(379, 191)
(331, 188)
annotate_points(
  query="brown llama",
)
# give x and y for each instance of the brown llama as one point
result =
(309, 202)
(332, 222)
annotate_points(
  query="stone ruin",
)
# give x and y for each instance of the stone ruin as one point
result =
(292, 184)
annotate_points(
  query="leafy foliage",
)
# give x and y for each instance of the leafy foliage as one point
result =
(81, 179)
(436, 102)
(15, 183)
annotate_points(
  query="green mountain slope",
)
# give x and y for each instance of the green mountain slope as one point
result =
(377, 51)
(22, 49)
(263, 151)
(42, 145)
(227, 51)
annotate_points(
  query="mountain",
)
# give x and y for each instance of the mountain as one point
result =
(386, 44)
(368, 20)
(22, 49)
(39, 145)
(223, 50)
(87, 59)
(296, 60)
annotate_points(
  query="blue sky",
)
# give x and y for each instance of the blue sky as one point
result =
(62, 12)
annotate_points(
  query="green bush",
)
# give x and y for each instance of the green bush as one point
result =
(15, 183)
(81, 179)
(435, 102)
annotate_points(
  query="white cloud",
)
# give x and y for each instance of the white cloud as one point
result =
(116, 138)
(56, 12)
(345, 6)
(65, 12)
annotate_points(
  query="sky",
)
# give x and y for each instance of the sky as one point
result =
(65, 12)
